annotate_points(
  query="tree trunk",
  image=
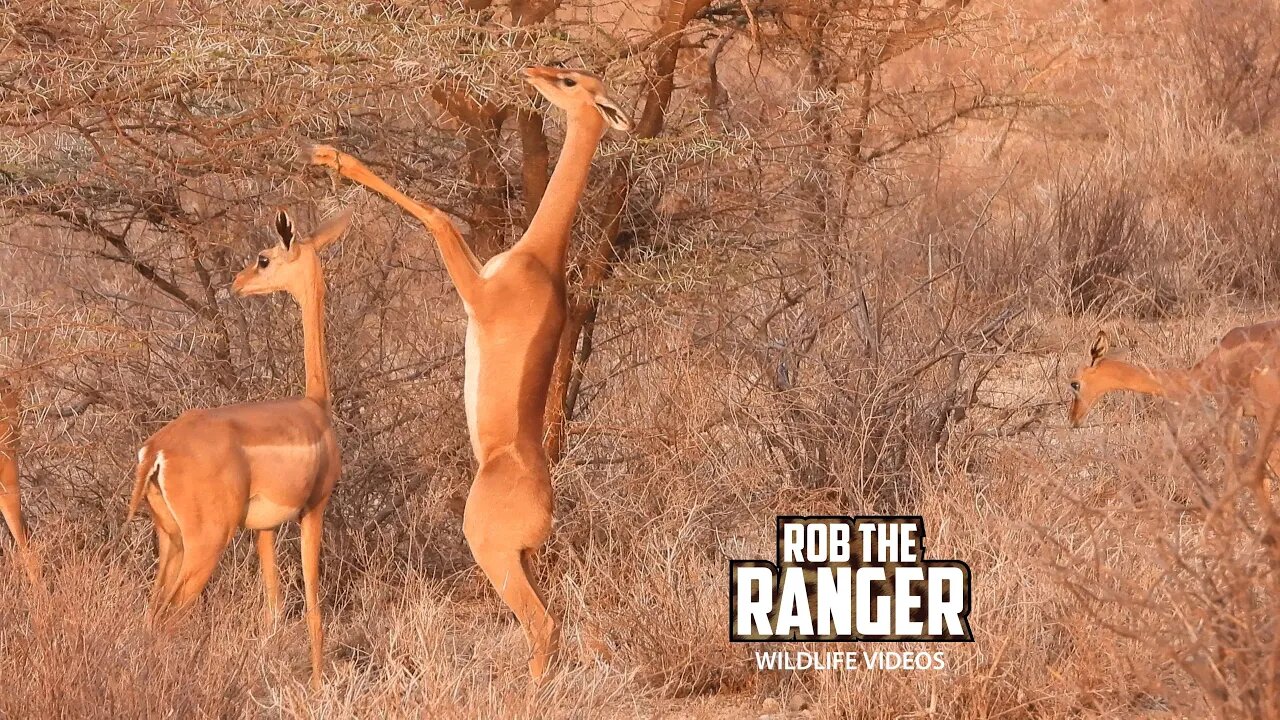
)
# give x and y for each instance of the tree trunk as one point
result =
(584, 302)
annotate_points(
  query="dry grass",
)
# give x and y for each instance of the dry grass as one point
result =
(637, 569)
(799, 325)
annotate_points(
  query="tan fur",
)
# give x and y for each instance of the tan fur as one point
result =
(1229, 372)
(1241, 374)
(212, 471)
(1264, 333)
(516, 309)
(10, 493)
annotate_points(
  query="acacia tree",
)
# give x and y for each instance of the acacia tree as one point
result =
(840, 44)
(141, 146)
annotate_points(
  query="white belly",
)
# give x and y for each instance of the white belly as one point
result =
(264, 514)
(471, 384)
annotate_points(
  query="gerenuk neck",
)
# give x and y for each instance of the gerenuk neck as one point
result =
(548, 232)
(314, 355)
(1151, 381)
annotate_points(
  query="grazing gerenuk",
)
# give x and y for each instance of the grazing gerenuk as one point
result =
(255, 465)
(1241, 373)
(1235, 371)
(516, 307)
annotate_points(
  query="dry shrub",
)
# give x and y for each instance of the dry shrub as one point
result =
(1242, 226)
(80, 647)
(1110, 252)
(1233, 52)
(1007, 257)
(397, 645)
(1187, 567)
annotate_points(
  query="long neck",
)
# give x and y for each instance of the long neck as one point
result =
(314, 356)
(548, 233)
(1151, 381)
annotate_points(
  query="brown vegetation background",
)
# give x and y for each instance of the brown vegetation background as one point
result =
(846, 264)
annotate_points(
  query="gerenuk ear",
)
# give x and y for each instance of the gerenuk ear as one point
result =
(330, 230)
(613, 114)
(1100, 347)
(284, 226)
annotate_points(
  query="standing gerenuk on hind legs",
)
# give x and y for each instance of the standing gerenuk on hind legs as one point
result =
(516, 308)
